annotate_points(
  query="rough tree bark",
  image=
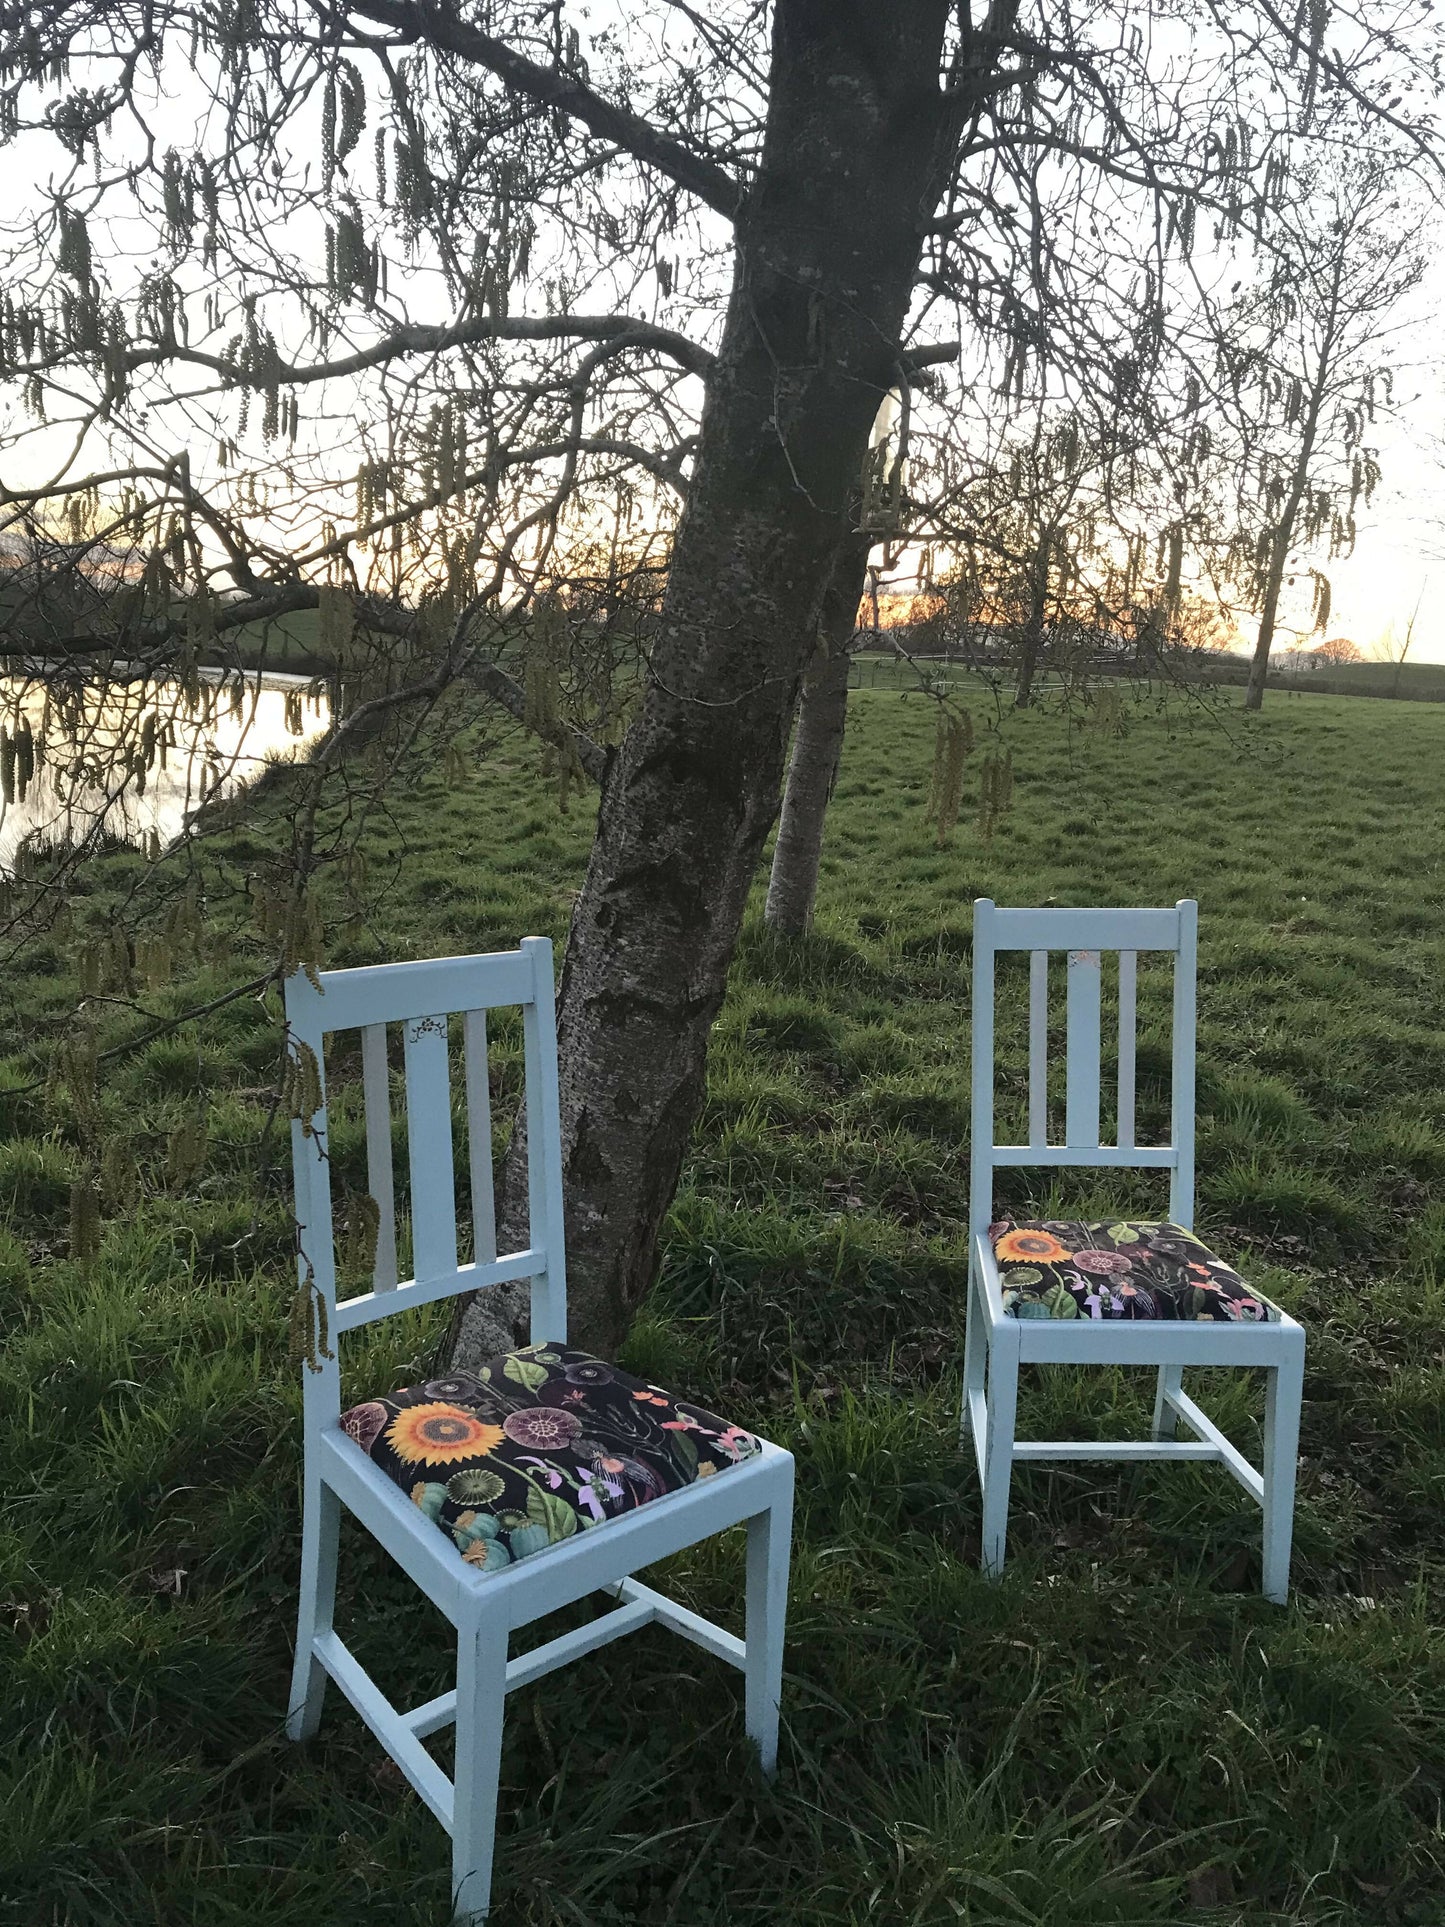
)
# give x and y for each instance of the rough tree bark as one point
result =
(827, 244)
(817, 747)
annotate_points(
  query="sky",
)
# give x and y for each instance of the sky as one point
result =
(1398, 567)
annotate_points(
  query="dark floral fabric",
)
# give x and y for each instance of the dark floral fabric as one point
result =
(539, 1445)
(1058, 1269)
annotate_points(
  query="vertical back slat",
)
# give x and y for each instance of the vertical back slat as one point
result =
(429, 1148)
(1127, 975)
(1039, 1047)
(1082, 1118)
(315, 1236)
(1181, 1183)
(376, 1095)
(479, 1137)
(544, 1148)
(980, 1185)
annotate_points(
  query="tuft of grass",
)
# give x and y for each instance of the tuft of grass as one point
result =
(35, 1179)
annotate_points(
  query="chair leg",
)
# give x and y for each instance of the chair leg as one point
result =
(481, 1707)
(1003, 1387)
(1166, 1419)
(320, 1528)
(1283, 1395)
(975, 1361)
(769, 1543)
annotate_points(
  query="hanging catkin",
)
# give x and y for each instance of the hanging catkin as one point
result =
(310, 1324)
(996, 789)
(363, 1229)
(952, 743)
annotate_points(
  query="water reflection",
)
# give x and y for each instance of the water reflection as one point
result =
(131, 761)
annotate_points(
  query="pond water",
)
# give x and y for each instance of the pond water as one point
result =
(133, 760)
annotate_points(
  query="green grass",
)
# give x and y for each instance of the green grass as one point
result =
(1120, 1731)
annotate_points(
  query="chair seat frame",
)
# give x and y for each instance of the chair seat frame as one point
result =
(485, 1608)
(997, 1344)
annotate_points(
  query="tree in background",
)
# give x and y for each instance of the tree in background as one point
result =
(1339, 649)
(1307, 356)
(1392, 647)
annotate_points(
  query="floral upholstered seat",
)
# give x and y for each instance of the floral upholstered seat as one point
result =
(537, 1446)
(1061, 1269)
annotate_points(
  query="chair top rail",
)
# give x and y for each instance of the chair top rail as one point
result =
(1080, 929)
(396, 993)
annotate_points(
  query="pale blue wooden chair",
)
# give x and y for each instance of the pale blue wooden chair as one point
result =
(520, 1427)
(1055, 1292)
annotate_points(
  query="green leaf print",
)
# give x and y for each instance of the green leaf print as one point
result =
(546, 1509)
(523, 1372)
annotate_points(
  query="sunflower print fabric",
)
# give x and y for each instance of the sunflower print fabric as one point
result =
(538, 1446)
(1055, 1269)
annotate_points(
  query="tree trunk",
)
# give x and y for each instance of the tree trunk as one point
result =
(827, 247)
(1264, 641)
(1032, 640)
(813, 766)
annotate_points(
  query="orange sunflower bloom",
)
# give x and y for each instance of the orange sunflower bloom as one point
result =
(1022, 1247)
(434, 1434)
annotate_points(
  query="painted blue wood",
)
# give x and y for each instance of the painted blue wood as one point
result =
(1039, 1047)
(544, 1145)
(479, 1137)
(1128, 1028)
(980, 1168)
(1081, 1125)
(484, 1609)
(1181, 1189)
(995, 1345)
(429, 1148)
(380, 1174)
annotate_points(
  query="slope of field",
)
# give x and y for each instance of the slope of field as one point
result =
(1118, 1732)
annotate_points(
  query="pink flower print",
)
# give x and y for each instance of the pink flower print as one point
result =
(548, 1472)
(1103, 1264)
(544, 1427)
(737, 1443)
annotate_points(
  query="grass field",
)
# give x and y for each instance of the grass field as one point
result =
(1118, 1732)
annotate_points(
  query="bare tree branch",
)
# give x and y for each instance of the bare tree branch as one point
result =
(702, 176)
